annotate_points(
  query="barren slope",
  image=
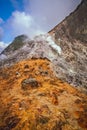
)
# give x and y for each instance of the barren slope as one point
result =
(32, 98)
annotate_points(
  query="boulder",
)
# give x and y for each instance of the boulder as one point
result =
(29, 83)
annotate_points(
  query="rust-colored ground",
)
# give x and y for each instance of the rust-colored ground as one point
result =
(46, 103)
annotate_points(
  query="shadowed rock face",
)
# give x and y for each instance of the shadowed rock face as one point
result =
(17, 43)
(74, 26)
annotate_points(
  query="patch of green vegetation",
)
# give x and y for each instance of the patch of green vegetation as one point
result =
(17, 43)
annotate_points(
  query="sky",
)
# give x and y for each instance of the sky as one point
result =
(31, 17)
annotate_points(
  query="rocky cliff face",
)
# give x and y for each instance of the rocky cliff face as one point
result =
(71, 36)
(74, 26)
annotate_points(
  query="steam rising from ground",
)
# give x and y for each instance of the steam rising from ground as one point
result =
(53, 44)
(48, 40)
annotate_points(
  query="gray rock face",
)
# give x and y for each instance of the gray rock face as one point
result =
(71, 36)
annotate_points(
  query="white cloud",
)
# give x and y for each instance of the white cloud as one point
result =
(3, 44)
(38, 17)
(23, 23)
(48, 13)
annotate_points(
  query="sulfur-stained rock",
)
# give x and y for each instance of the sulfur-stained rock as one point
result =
(29, 83)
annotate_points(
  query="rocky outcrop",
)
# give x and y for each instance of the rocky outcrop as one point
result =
(17, 43)
(29, 83)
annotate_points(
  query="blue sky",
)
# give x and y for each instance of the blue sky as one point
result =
(6, 9)
(31, 17)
